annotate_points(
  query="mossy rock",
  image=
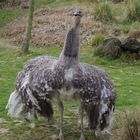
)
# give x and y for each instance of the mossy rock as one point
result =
(131, 45)
(110, 47)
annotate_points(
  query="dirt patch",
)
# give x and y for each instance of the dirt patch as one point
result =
(13, 3)
(50, 26)
(3, 130)
(4, 43)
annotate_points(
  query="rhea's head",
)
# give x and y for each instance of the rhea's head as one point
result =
(78, 14)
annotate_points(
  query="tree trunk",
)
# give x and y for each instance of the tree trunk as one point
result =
(26, 42)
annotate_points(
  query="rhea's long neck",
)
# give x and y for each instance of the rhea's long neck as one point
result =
(70, 53)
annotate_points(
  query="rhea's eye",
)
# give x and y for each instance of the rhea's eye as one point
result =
(106, 113)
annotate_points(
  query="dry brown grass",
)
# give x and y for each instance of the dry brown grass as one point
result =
(13, 3)
(50, 26)
(131, 126)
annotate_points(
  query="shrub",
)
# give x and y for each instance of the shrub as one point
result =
(125, 28)
(103, 11)
(133, 11)
(131, 126)
(110, 47)
(97, 40)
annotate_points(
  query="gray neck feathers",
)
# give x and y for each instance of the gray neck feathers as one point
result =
(70, 52)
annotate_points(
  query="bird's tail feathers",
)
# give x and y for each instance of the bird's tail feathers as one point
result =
(15, 105)
(31, 105)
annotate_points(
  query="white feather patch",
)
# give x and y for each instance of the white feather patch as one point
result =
(67, 94)
(14, 106)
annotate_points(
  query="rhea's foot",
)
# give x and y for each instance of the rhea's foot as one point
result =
(61, 137)
(82, 137)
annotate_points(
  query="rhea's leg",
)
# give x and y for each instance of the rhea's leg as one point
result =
(27, 117)
(81, 120)
(61, 108)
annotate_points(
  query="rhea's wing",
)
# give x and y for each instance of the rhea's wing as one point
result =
(87, 82)
(30, 65)
(38, 61)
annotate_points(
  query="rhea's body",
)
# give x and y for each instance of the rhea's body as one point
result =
(45, 78)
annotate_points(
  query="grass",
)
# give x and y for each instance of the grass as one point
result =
(126, 78)
(6, 15)
(97, 40)
(103, 11)
(41, 3)
(120, 13)
(133, 10)
(131, 126)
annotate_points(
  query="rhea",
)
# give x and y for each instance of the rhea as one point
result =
(46, 78)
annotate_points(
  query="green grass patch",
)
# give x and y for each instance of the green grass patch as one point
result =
(125, 76)
(42, 3)
(6, 15)
(97, 40)
(103, 11)
(133, 11)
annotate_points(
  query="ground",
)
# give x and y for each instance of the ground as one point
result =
(124, 73)
(125, 77)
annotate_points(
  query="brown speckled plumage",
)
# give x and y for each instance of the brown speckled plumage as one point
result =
(45, 78)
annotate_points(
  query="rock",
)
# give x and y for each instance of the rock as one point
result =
(111, 47)
(131, 45)
(134, 34)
